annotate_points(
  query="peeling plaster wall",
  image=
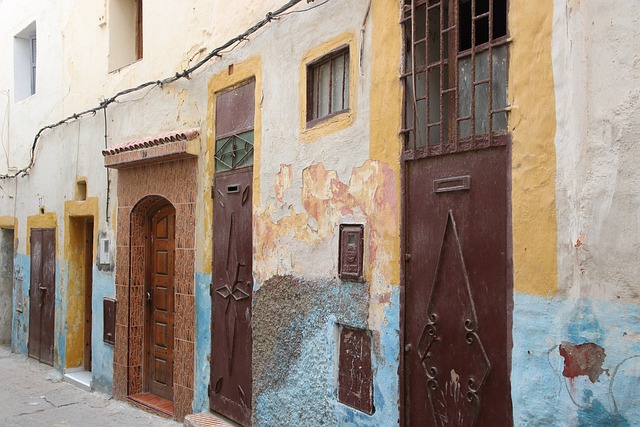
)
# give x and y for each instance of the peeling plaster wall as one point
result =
(306, 184)
(576, 354)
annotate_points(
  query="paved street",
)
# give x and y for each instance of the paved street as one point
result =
(33, 394)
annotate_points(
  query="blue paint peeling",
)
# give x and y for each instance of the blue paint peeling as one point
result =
(386, 380)
(304, 390)
(203, 342)
(541, 394)
(102, 354)
(22, 276)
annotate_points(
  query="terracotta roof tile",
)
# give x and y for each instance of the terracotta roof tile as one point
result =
(165, 138)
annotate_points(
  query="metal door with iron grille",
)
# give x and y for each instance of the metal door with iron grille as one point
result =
(457, 277)
(42, 294)
(232, 284)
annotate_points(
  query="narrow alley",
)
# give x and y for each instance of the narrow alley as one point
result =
(33, 394)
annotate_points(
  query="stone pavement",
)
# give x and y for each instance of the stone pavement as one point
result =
(33, 394)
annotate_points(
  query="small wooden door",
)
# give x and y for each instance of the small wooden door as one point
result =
(159, 295)
(457, 291)
(42, 294)
(231, 292)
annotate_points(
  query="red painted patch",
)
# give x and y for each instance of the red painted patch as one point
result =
(582, 359)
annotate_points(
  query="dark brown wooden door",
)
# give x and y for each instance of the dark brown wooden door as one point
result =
(231, 290)
(457, 289)
(42, 294)
(160, 303)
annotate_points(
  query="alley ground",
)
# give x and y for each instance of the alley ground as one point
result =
(33, 394)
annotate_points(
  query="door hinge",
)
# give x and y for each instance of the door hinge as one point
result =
(209, 389)
(211, 289)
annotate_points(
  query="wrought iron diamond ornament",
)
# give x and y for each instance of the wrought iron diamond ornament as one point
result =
(450, 348)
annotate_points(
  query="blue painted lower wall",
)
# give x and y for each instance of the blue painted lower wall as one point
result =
(20, 332)
(102, 354)
(295, 324)
(542, 395)
(203, 343)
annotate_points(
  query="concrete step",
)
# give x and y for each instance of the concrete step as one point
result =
(80, 379)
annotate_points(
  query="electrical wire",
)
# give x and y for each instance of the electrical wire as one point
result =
(217, 52)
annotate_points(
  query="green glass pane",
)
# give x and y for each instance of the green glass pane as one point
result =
(244, 149)
(224, 154)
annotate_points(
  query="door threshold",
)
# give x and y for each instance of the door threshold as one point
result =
(79, 378)
(157, 404)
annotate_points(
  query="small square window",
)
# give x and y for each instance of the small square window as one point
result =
(328, 85)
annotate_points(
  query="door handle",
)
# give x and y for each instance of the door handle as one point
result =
(42, 288)
(149, 297)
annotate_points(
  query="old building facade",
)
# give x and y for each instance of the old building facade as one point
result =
(354, 212)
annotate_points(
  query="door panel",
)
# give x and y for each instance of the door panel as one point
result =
(457, 284)
(160, 300)
(42, 294)
(231, 292)
(88, 293)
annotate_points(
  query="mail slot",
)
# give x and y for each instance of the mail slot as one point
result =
(351, 252)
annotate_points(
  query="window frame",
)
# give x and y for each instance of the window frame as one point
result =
(342, 50)
(449, 85)
(33, 52)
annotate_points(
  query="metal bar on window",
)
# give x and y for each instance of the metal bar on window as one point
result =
(490, 101)
(473, 70)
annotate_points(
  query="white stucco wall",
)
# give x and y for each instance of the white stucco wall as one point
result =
(596, 71)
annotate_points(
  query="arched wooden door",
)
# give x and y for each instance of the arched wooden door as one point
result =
(159, 295)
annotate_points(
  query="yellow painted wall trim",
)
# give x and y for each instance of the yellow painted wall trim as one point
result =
(386, 108)
(251, 68)
(75, 214)
(341, 120)
(532, 123)
(45, 220)
(8, 222)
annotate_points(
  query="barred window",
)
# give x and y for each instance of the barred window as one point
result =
(455, 78)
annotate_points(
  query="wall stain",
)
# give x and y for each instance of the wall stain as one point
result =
(582, 359)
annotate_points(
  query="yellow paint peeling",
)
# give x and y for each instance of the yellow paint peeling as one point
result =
(251, 68)
(44, 220)
(386, 114)
(371, 193)
(533, 124)
(339, 121)
(75, 215)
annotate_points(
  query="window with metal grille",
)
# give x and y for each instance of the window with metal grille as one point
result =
(328, 85)
(455, 75)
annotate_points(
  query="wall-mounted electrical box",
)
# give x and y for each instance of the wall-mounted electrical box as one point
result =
(351, 252)
(104, 251)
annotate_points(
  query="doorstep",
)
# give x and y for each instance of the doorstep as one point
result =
(79, 378)
(206, 419)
